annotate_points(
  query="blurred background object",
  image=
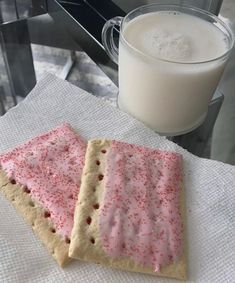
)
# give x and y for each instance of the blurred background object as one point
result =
(223, 138)
(64, 38)
(208, 5)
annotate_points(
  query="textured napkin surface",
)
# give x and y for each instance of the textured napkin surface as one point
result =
(209, 189)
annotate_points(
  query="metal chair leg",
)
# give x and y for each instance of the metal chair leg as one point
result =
(197, 141)
(2, 107)
(17, 54)
(68, 66)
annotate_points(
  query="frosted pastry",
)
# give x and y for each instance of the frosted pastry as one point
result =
(130, 210)
(42, 178)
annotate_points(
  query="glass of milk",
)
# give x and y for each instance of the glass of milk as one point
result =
(170, 60)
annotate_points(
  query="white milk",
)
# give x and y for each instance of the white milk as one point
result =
(170, 97)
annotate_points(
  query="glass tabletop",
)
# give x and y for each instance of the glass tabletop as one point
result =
(43, 38)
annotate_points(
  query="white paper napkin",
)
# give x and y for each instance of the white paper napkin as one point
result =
(209, 185)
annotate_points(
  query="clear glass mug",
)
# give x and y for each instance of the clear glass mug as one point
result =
(170, 97)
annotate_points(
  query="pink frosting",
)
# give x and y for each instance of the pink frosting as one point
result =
(140, 214)
(50, 166)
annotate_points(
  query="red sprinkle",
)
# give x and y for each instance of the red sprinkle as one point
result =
(13, 182)
(66, 148)
(67, 240)
(92, 240)
(103, 151)
(97, 162)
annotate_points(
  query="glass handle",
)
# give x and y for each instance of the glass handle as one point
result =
(108, 38)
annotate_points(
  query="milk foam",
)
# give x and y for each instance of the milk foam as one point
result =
(168, 45)
(175, 36)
